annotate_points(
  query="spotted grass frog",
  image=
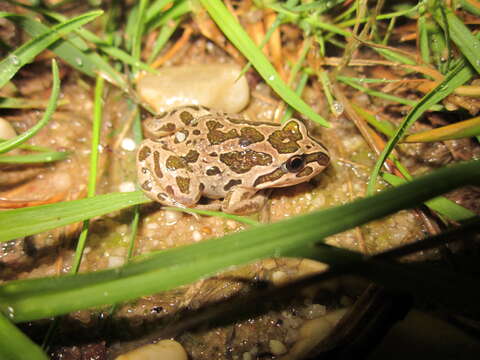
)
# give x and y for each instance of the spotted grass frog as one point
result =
(193, 153)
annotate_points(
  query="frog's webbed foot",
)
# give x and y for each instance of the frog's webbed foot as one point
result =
(243, 202)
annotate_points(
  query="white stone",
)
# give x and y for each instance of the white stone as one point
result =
(126, 186)
(115, 261)
(164, 349)
(6, 130)
(277, 347)
(128, 144)
(213, 85)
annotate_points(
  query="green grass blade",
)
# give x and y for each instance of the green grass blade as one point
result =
(468, 44)
(440, 204)
(113, 51)
(395, 56)
(27, 52)
(164, 35)
(52, 104)
(42, 157)
(15, 345)
(178, 9)
(139, 29)
(460, 74)
(438, 46)
(378, 94)
(383, 126)
(423, 39)
(32, 220)
(39, 298)
(92, 177)
(405, 12)
(471, 6)
(75, 51)
(22, 103)
(156, 8)
(242, 41)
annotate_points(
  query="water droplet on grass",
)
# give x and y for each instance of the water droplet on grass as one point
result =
(338, 108)
(15, 60)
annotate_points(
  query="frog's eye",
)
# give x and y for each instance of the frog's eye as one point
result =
(295, 164)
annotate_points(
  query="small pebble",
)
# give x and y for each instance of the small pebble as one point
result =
(277, 347)
(172, 216)
(126, 186)
(279, 278)
(164, 349)
(115, 261)
(197, 236)
(6, 130)
(128, 144)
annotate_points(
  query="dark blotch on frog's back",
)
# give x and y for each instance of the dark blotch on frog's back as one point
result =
(183, 184)
(285, 140)
(156, 165)
(241, 162)
(144, 153)
(186, 117)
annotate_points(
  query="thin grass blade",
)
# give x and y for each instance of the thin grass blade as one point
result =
(27, 52)
(52, 104)
(242, 41)
(460, 74)
(468, 44)
(42, 157)
(22, 103)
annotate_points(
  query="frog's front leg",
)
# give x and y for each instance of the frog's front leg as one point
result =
(241, 201)
(173, 121)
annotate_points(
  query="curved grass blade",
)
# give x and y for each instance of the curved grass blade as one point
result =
(242, 41)
(459, 130)
(42, 157)
(15, 345)
(52, 104)
(27, 52)
(460, 74)
(38, 298)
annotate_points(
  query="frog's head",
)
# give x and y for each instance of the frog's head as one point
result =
(298, 156)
